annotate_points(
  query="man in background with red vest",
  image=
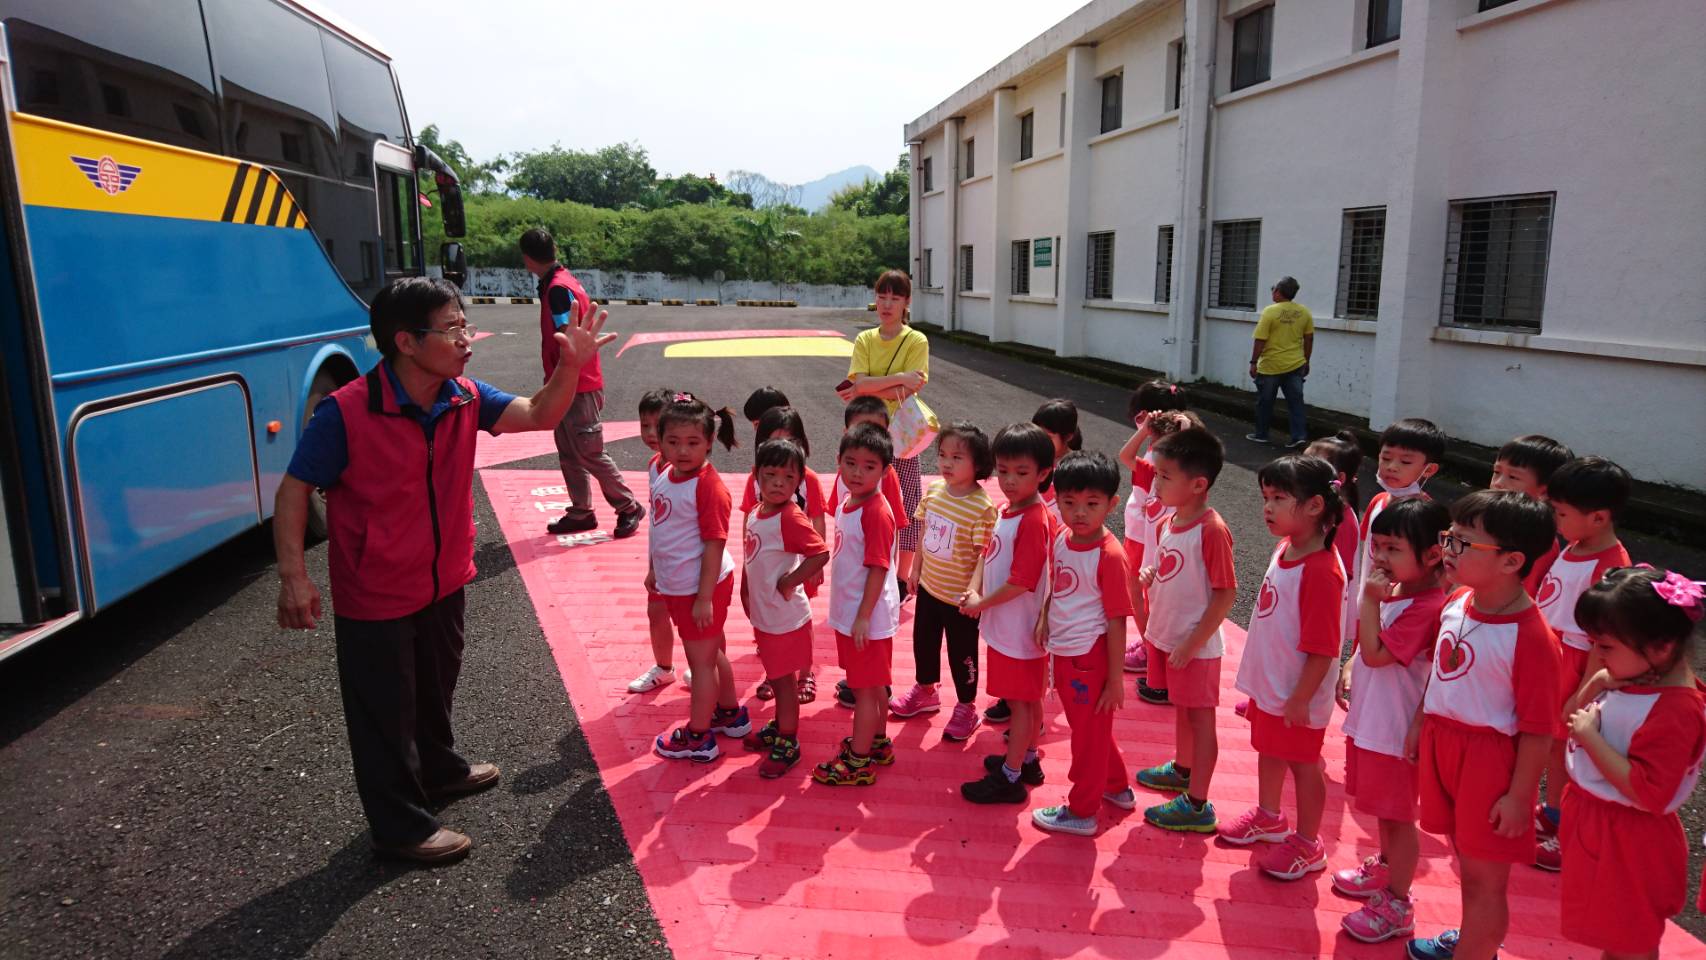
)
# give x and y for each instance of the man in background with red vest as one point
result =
(394, 451)
(580, 437)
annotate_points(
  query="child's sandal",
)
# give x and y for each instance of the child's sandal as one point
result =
(808, 688)
(765, 692)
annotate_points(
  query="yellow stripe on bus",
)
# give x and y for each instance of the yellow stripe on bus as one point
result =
(169, 182)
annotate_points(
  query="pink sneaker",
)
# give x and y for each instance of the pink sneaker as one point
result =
(1243, 709)
(1256, 824)
(1367, 880)
(920, 699)
(1137, 657)
(1293, 858)
(1381, 918)
(963, 723)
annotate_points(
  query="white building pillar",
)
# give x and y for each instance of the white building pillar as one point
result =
(1006, 151)
(1191, 227)
(1423, 97)
(1082, 114)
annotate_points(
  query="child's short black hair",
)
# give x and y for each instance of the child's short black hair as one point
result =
(1197, 452)
(653, 402)
(1515, 521)
(783, 418)
(871, 438)
(1417, 521)
(1086, 471)
(1543, 455)
(762, 399)
(865, 406)
(977, 444)
(1024, 440)
(1060, 417)
(686, 408)
(1625, 604)
(1153, 395)
(1414, 433)
(1590, 483)
(780, 453)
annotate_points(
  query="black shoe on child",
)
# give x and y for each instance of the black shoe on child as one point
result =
(994, 788)
(1149, 694)
(999, 713)
(1030, 773)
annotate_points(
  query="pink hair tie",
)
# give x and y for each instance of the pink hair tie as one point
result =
(684, 398)
(1173, 389)
(1679, 591)
(1336, 484)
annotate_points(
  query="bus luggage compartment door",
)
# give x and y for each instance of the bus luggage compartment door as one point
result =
(161, 477)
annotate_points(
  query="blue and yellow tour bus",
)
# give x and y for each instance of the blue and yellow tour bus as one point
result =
(198, 197)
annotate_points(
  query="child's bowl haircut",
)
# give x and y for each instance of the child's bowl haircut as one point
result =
(1414, 433)
(865, 406)
(1198, 452)
(1590, 483)
(976, 443)
(1543, 455)
(871, 438)
(1417, 521)
(1515, 521)
(1087, 471)
(1024, 440)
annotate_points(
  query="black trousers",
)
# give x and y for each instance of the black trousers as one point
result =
(398, 678)
(930, 621)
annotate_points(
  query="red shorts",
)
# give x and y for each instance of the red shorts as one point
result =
(1272, 738)
(1575, 664)
(1197, 684)
(1625, 873)
(681, 613)
(652, 596)
(870, 667)
(1461, 773)
(1133, 555)
(1013, 679)
(1383, 786)
(784, 653)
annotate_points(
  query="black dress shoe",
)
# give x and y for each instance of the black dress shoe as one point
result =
(628, 524)
(568, 524)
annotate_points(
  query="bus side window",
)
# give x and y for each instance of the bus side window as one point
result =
(368, 108)
(277, 100)
(136, 68)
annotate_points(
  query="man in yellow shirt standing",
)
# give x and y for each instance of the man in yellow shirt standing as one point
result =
(1279, 360)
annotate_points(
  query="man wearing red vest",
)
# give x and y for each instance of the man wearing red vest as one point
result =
(580, 437)
(394, 451)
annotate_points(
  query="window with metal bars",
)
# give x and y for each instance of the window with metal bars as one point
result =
(925, 267)
(1362, 245)
(1176, 86)
(926, 175)
(1099, 277)
(1232, 263)
(1164, 264)
(1495, 261)
(965, 267)
(1112, 91)
(1383, 21)
(1021, 268)
(1252, 47)
(1027, 127)
(971, 159)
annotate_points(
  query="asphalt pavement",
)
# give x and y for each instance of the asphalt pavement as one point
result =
(174, 776)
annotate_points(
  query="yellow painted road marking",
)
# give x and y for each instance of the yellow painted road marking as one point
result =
(760, 347)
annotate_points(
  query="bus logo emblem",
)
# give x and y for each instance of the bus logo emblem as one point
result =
(107, 174)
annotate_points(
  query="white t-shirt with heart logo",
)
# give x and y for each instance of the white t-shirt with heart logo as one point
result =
(1384, 699)
(1189, 562)
(1500, 673)
(1018, 553)
(774, 546)
(1566, 580)
(1661, 731)
(1089, 590)
(1299, 614)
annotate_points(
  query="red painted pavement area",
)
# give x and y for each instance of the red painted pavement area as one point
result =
(680, 336)
(738, 866)
(510, 447)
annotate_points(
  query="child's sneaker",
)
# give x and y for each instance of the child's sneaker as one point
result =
(994, 788)
(1165, 778)
(1137, 657)
(999, 713)
(843, 694)
(653, 678)
(682, 744)
(1381, 918)
(1030, 772)
(1060, 820)
(1154, 695)
(882, 750)
(1442, 947)
(784, 753)
(1293, 858)
(1549, 854)
(732, 722)
(1256, 824)
(1243, 709)
(920, 699)
(1182, 816)
(762, 739)
(1125, 799)
(1368, 879)
(963, 723)
(847, 771)
(1544, 825)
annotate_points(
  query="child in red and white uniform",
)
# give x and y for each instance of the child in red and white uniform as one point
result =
(1008, 597)
(1292, 646)
(1526, 464)
(662, 671)
(691, 569)
(1345, 454)
(874, 411)
(783, 423)
(1059, 419)
(1087, 610)
(864, 603)
(1190, 586)
(1637, 738)
(1487, 718)
(1149, 399)
(1587, 495)
(1399, 621)
(782, 553)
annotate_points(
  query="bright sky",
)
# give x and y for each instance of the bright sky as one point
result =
(794, 90)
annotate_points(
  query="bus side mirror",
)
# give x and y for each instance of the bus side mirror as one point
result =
(455, 263)
(450, 207)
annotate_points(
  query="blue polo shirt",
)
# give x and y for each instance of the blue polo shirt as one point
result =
(323, 451)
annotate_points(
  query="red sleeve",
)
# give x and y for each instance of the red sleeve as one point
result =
(1111, 577)
(1345, 539)
(1665, 748)
(715, 505)
(1030, 550)
(891, 492)
(798, 535)
(878, 526)
(1537, 573)
(1537, 676)
(1374, 506)
(815, 504)
(1616, 557)
(749, 494)
(1217, 555)
(1143, 475)
(1415, 630)
(1321, 605)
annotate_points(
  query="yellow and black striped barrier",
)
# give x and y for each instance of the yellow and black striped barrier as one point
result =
(672, 303)
(705, 303)
(636, 302)
(482, 299)
(771, 303)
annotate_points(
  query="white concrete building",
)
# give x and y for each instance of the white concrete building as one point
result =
(1496, 208)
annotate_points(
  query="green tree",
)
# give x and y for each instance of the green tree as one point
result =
(475, 177)
(892, 195)
(770, 236)
(613, 177)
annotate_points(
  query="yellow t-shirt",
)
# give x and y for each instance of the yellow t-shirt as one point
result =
(872, 356)
(954, 533)
(1283, 326)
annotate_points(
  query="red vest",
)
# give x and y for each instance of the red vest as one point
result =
(592, 376)
(401, 516)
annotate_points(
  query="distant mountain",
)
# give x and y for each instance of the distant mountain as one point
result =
(815, 195)
(812, 196)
